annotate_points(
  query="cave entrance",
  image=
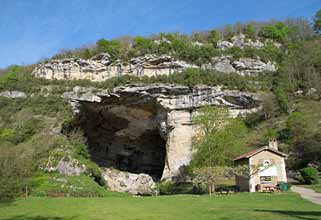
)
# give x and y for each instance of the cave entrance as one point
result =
(125, 137)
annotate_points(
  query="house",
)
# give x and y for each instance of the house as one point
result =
(267, 168)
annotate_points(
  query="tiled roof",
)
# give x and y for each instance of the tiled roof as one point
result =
(258, 150)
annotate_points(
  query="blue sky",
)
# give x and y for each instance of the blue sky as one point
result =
(31, 30)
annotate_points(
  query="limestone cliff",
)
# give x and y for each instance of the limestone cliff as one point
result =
(100, 67)
(148, 129)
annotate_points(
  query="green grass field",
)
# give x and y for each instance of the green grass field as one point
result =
(240, 206)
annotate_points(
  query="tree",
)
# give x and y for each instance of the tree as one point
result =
(250, 31)
(15, 169)
(297, 125)
(301, 68)
(317, 21)
(278, 31)
(220, 137)
(282, 99)
(299, 29)
(310, 175)
(112, 47)
(210, 176)
(143, 45)
(214, 37)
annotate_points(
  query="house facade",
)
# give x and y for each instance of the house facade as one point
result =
(267, 168)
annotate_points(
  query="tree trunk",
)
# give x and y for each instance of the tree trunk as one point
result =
(213, 187)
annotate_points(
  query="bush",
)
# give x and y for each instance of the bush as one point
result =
(16, 167)
(169, 188)
(165, 188)
(310, 175)
(278, 32)
(57, 185)
(95, 173)
(282, 99)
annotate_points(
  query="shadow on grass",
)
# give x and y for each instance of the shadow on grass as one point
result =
(4, 204)
(23, 217)
(305, 215)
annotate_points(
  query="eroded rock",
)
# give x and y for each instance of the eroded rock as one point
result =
(149, 129)
(242, 66)
(137, 184)
(65, 165)
(240, 41)
(100, 67)
(70, 167)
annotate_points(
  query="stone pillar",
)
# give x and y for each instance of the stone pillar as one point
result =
(179, 144)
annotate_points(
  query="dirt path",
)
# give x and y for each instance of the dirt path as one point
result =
(308, 194)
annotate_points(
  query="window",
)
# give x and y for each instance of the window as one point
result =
(265, 179)
(266, 163)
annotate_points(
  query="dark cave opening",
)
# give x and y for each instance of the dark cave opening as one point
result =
(126, 138)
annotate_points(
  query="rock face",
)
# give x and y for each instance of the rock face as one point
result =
(100, 67)
(148, 129)
(13, 94)
(240, 41)
(66, 165)
(242, 66)
(70, 167)
(137, 184)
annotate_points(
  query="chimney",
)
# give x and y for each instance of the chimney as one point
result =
(273, 144)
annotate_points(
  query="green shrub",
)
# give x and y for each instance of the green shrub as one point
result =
(94, 172)
(6, 134)
(249, 31)
(16, 167)
(277, 31)
(254, 119)
(112, 47)
(282, 99)
(57, 185)
(165, 188)
(310, 175)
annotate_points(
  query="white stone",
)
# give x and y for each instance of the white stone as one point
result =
(137, 184)
(13, 94)
(100, 67)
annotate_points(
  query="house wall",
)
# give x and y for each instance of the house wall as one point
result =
(276, 161)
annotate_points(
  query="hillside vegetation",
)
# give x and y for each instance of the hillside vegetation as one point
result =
(291, 112)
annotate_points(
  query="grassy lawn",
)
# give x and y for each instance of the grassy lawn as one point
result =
(187, 207)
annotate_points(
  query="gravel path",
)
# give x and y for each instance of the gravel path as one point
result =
(308, 194)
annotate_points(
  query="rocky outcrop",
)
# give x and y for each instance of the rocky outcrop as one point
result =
(70, 167)
(13, 94)
(100, 67)
(65, 165)
(242, 66)
(240, 41)
(137, 184)
(148, 129)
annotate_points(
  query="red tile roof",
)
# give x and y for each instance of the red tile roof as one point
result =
(258, 150)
